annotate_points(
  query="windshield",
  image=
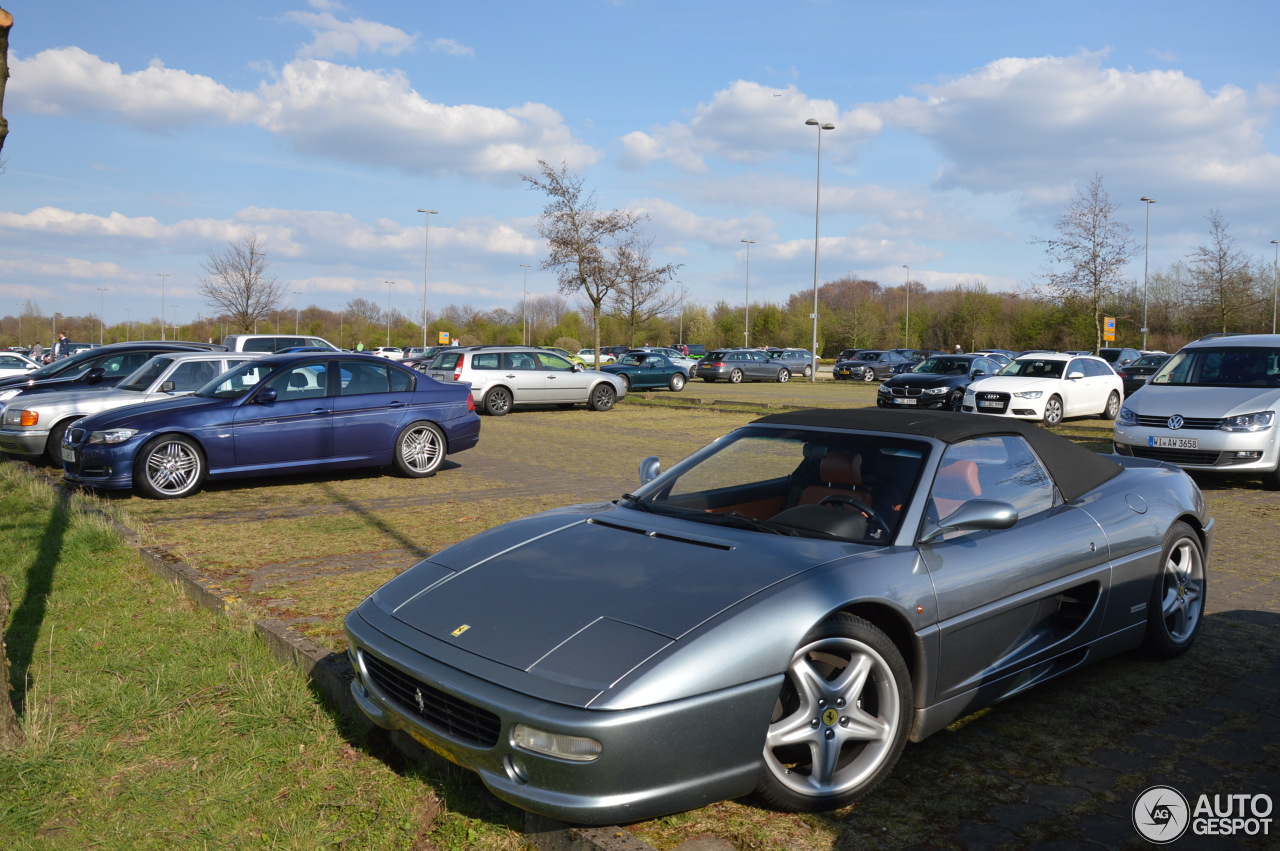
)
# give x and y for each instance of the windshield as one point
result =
(1226, 366)
(944, 366)
(1035, 368)
(144, 376)
(817, 484)
(631, 360)
(234, 381)
(67, 366)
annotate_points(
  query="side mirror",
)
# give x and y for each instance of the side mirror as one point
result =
(577, 367)
(167, 387)
(977, 372)
(265, 396)
(649, 469)
(1073, 376)
(94, 375)
(974, 514)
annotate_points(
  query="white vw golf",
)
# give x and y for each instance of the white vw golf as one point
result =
(1047, 388)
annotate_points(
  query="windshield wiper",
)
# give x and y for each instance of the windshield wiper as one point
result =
(742, 521)
(637, 503)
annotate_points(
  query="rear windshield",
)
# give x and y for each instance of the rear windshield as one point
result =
(1227, 366)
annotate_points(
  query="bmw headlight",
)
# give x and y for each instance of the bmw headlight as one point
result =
(112, 435)
(1028, 394)
(1249, 422)
(934, 391)
(1127, 417)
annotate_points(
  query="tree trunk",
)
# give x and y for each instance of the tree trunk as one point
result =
(10, 732)
(6, 23)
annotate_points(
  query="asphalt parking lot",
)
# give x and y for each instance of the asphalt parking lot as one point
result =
(1058, 767)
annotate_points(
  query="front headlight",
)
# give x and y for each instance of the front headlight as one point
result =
(20, 417)
(1028, 394)
(112, 435)
(1260, 421)
(934, 391)
(1127, 417)
(562, 745)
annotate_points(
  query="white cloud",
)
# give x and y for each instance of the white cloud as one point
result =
(451, 47)
(333, 37)
(749, 123)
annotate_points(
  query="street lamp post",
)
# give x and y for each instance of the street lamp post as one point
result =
(128, 324)
(1146, 261)
(426, 254)
(102, 325)
(162, 276)
(746, 321)
(53, 327)
(1275, 282)
(907, 335)
(295, 312)
(817, 223)
(388, 283)
(524, 307)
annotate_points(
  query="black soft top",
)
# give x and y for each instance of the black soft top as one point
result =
(1075, 469)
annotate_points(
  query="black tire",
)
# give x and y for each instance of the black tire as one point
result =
(497, 402)
(956, 399)
(626, 382)
(735, 377)
(784, 375)
(868, 374)
(1177, 598)
(420, 450)
(1113, 406)
(860, 723)
(1053, 411)
(677, 382)
(602, 397)
(53, 447)
(169, 466)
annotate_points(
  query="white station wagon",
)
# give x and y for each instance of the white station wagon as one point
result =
(1047, 388)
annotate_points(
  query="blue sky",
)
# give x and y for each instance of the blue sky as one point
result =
(143, 135)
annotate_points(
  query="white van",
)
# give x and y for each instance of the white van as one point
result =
(274, 342)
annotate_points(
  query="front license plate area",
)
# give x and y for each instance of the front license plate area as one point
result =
(904, 401)
(438, 750)
(990, 403)
(68, 454)
(1173, 442)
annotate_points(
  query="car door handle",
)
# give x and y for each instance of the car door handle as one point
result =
(317, 411)
(395, 404)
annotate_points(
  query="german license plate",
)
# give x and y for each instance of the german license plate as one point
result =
(433, 747)
(68, 454)
(990, 403)
(903, 400)
(1173, 442)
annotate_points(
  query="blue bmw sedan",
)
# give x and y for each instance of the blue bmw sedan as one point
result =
(280, 414)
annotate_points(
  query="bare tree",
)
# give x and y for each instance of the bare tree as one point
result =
(641, 293)
(1094, 247)
(6, 24)
(583, 242)
(234, 283)
(1222, 284)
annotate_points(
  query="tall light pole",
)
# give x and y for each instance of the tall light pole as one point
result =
(524, 307)
(388, 283)
(1275, 281)
(817, 225)
(296, 293)
(1146, 262)
(53, 326)
(907, 336)
(162, 276)
(102, 305)
(746, 320)
(426, 254)
(128, 324)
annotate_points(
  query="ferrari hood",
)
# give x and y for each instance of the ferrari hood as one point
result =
(588, 595)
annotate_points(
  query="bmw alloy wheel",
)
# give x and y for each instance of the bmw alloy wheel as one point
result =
(168, 467)
(420, 450)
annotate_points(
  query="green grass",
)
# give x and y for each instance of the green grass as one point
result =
(149, 723)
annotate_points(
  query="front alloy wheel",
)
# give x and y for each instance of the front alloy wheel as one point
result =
(868, 374)
(841, 719)
(1053, 411)
(168, 467)
(420, 450)
(602, 397)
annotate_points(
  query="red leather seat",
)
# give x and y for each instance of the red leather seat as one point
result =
(841, 474)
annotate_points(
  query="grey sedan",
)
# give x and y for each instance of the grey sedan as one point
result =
(737, 365)
(782, 611)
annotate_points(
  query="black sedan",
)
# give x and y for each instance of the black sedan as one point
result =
(780, 612)
(937, 382)
(279, 414)
(1137, 373)
(647, 371)
(101, 366)
(869, 365)
(737, 365)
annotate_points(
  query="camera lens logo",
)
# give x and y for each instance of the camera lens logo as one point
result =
(1161, 814)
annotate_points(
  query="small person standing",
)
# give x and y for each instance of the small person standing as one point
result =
(61, 348)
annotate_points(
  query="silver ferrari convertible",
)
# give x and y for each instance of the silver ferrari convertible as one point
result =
(780, 612)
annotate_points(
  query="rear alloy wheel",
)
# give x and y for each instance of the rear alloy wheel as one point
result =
(497, 402)
(841, 719)
(1113, 406)
(1053, 411)
(1177, 600)
(735, 377)
(677, 382)
(808, 370)
(168, 467)
(602, 397)
(784, 375)
(420, 450)
(868, 374)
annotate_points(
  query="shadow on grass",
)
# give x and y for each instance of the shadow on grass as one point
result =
(28, 616)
